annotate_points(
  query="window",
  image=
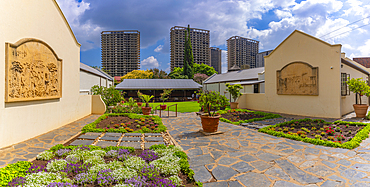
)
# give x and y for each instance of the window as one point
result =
(344, 88)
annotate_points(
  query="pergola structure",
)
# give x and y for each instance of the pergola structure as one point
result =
(182, 88)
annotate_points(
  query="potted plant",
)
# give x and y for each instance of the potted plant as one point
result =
(145, 98)
(211, 101)
(235, 93)
(360, 88)
(164, 97)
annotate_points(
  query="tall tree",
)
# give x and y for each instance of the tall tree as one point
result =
(188, 55)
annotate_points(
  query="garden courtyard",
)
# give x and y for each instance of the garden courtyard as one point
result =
(240, 156)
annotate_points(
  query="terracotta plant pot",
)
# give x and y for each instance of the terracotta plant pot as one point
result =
(234, 105)
(163, 107)
(139, 104)
(360, 110)
(146, 110)
(210, 123)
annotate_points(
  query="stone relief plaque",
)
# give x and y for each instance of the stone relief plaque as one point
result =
(32, 71)
(297, 78)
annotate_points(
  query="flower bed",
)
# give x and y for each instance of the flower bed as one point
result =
(126, 122)
(93, 166)
(238, 116)
(341, 134)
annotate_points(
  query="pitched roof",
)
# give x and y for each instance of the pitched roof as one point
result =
(94, 71)
(157, 84)
(248, 82)
(365, 61)
(241, 75)
(349, 63)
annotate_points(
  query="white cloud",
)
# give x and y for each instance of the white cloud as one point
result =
(283, 13)
(87, 34)
(159, 48)
(168, 69)
(365, 49)
(150, 62)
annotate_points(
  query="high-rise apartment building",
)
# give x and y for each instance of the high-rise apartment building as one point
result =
(120, 51)
(216, 59)
(242, 52)
(260, 60)
(199, 42)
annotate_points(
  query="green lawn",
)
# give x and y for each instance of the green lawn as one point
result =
(187, 106)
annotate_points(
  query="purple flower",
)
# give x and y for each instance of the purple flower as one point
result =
(76, 168)
(105, 177)
(62, 152)
(148, 155)
(18, 181)
(36, 169)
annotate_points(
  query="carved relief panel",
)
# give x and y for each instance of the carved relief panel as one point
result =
(298, 78)
(32, 71)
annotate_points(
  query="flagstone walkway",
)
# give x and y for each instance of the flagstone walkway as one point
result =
(29, 149)
(245, 157)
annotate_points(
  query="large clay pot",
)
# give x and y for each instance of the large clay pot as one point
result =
(234, 105)
(163, 107)
(146, 110)
(360, 110)
(210, 123)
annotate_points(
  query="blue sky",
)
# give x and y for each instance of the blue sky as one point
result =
(268, 21)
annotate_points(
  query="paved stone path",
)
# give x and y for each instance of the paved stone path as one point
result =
(29, 149)
(244, 157)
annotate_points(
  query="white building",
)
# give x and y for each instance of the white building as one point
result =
(90, 76)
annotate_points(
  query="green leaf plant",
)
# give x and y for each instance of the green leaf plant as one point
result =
(234, 90)
(359, 87)
(145, 98)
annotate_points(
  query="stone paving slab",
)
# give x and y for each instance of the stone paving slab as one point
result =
(112, 138)
(131, 139)
(154, 139)
(82, 142)
(104, 144)
(262, 160)
(113, 134)
(136, 145)
(152, 134)
(132, 134)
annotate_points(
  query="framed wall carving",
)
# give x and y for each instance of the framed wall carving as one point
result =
(298, 78)
(32, 71)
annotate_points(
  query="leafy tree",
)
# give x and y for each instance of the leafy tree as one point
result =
(359, 87)
(159, 74)
(204, 69)
(138, 74)
(234, 90)
(188, 55)
(199, 78)
(177, 75)
(110, 96)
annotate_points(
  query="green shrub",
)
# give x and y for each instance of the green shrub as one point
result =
(46, 155)
(12, 171)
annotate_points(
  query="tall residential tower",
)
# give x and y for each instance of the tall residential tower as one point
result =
(120, 51)
(199, 43)
(216, 59)
(242, 52)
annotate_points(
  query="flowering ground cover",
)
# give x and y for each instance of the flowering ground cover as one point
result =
(126, 122)
(333, 134)
(237, 116)
(93, 166)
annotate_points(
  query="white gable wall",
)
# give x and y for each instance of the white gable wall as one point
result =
(42, 20)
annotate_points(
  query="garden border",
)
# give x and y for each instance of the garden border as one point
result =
(91, 127)
(353, 143)
(267, 116)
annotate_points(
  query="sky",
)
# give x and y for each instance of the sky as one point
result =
(343, 22)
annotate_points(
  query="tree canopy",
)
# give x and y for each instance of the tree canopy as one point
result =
(138, 74)
(159, 74)
(198, 68)
(188, 55)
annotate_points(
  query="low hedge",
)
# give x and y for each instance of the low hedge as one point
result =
(92, 126)
(353, 143)
(12, 171)
(267, 116)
